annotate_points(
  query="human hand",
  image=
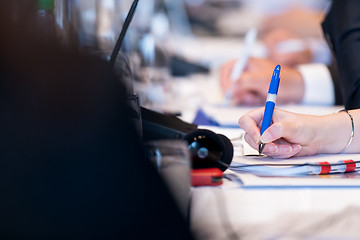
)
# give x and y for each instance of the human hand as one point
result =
(303, 22)
(287, 48)
(225, 73)
(251, 88)
(294, 134)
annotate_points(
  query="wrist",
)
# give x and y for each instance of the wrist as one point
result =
(335, 133)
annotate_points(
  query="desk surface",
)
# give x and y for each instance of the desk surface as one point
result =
(234, 211)
(292, 212)
(275, 213)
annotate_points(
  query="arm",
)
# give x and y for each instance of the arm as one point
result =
(299, 85)
(294, 134)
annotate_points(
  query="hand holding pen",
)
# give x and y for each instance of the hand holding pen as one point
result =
(283, 138)
(250, 121)
(297, 135)
(240, 63)
(285, 134)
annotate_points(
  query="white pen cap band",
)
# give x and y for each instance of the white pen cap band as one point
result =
(271, 98)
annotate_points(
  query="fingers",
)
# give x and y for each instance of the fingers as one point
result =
(275, 150)
(284, 150)
(283, 129)
(249, 123)
(249, 89)
(225, 73)
(273, 133)
(251, 141)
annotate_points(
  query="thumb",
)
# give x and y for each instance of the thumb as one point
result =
(278, 130)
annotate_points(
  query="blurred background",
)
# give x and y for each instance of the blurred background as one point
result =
(168, 41)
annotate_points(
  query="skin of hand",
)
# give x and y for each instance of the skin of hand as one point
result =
(252, 86)
(294, 134)
(301, 21)
(272, 40)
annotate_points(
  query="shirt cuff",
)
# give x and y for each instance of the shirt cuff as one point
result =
(319, 88)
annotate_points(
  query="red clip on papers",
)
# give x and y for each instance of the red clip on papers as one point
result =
(296, 169)
(325, 167)
(350, 165)
(206, 177)
(342, 166)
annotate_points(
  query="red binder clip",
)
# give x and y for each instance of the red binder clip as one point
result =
(206, 177)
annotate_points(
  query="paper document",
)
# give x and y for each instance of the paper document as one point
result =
(301, 166)
(295, 173)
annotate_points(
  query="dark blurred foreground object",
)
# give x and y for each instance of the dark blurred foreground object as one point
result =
(71, 162)
(343, 39)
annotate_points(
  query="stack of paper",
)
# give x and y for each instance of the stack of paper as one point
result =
(252, 171)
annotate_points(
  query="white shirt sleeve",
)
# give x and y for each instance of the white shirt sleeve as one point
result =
(319, 87)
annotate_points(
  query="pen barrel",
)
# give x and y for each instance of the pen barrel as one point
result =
(271, 99)
(269, 109)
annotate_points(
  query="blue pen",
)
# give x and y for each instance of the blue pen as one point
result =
(270, 103)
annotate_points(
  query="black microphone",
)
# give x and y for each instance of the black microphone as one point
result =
(124, 29)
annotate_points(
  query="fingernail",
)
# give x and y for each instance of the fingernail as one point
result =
(286, 149)
(273, 149)
(296, 148)
(265, 138)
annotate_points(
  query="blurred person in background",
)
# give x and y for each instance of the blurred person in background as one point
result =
(293, 39)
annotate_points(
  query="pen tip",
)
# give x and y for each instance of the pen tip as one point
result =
(278, 67)
(261, 148)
